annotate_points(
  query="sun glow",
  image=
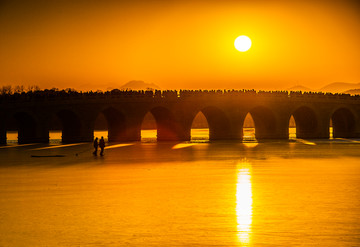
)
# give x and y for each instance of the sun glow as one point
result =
(242, 43)
(244, 203)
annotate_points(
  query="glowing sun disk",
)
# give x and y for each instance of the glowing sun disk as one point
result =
(242, 43)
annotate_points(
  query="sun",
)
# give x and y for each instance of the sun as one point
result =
(242, 43)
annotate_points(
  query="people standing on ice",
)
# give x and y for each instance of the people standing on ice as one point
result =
(102, 146)
(96, 144)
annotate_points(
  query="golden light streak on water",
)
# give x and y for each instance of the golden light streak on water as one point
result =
(59, 146)
(119, 145)
(182, 145)
(306, 142)
(21, 145)
(244, 203)
(346, 139)
(250, 144)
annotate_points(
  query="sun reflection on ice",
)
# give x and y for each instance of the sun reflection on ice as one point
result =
(244, 203)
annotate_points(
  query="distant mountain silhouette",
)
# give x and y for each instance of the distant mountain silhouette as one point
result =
(139, 85)
(298, 88)
(339, 87)
(335, 87)
(352, 91)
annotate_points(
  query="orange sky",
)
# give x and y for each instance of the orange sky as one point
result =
(179, 44)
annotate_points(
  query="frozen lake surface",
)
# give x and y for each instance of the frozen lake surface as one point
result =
(276, 193)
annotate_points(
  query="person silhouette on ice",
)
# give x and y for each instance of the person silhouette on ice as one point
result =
(96, 144)
(102, 146)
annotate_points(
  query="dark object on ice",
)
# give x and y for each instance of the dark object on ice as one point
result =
(42, 156)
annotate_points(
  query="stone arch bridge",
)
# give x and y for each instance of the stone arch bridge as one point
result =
(175, 111)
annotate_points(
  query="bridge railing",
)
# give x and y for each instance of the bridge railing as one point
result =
(51, 95)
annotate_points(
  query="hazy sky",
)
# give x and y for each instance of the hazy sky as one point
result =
(179, 44)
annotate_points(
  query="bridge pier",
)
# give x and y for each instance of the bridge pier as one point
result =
(277, 134)
(31, 128)
(171, 125)
(77, 128)
(233, 131)
(2, 134)
(321, 132)
(40, 135)
(225, 123)
(323, 129)
(269, 124)
(317, 127)
(86, 134)
(172, 131)
(279, 131)
(133, 129)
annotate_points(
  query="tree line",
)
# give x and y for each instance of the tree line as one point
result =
(34, 91)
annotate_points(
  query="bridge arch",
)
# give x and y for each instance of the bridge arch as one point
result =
(292, 127)
(248, 128)
(343, 123)
(217, 121)
(306, 122)
(116, 123)
(264, 121)
(71, 125)
(199, 127)
(166, 124)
